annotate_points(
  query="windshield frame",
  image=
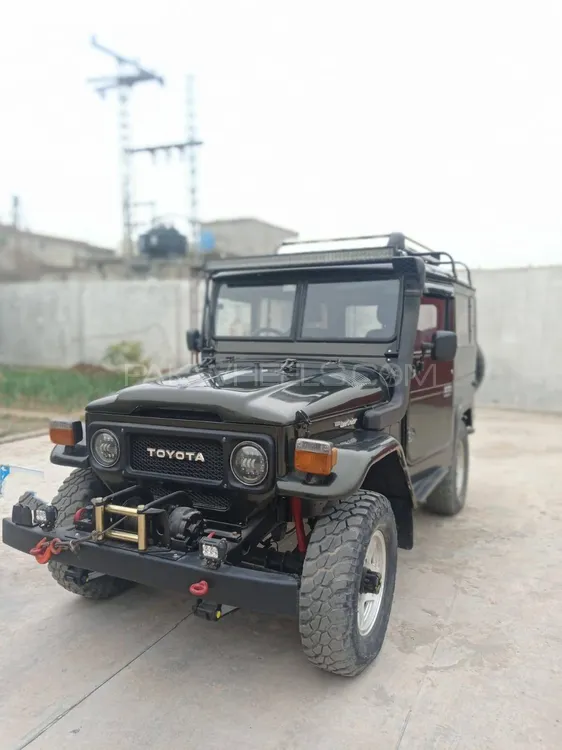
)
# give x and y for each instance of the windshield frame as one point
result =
(375, 273)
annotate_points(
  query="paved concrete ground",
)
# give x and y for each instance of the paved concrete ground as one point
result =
(472, 659)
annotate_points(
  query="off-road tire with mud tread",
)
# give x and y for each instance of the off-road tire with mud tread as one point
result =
(76, 491)
(445, 500)
(480, 367)
(331, 579)
(30, 500)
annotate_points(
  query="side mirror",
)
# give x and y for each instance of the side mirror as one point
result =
(193, 339)
(444, 346)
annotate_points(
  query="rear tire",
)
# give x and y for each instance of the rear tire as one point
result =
(339, 632)
(480, 367)
(76, 491)
(449, 497)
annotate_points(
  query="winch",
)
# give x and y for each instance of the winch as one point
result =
(186, 525)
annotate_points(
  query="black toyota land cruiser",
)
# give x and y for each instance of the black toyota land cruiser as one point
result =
(332, 394)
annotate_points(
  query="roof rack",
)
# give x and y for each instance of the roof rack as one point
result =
(395, 240)
(362, 249)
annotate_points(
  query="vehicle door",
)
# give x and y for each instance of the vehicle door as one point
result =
(429, 422)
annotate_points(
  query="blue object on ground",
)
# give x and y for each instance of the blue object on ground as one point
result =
(6, 470)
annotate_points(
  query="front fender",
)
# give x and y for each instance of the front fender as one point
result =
(75, 456)
(356, 456)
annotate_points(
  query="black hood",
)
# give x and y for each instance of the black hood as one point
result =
(263, 394)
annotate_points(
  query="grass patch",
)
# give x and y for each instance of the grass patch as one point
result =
(65, 390)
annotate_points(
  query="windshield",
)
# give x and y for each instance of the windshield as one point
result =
(252, 311)
(351, 310)
(333, 310)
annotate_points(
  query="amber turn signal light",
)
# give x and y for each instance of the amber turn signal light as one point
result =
(63, 432)
(315, 456)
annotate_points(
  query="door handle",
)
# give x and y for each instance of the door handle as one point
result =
(419, 364)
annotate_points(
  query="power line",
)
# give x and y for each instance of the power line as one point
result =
(191, 132)
(129, 73)
(187, 150)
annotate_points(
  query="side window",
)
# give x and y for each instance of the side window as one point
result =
(428, 321)
(463, 320)
(472, 308)
(428, 317)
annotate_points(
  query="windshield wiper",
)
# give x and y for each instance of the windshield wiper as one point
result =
(207, 363)
(209, 359)
(289, 366)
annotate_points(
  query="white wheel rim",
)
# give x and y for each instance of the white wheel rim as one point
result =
(460, 470)
(369, 605)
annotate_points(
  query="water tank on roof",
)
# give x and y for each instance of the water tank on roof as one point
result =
(162, 242)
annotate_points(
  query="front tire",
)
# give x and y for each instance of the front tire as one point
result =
(342, 624)
(76, 491)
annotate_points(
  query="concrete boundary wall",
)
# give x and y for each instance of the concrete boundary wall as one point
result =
(60, 324)
(63, 323)
(520, 330)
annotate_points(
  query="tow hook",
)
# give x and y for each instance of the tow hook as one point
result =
(201, 588)
(370, 583)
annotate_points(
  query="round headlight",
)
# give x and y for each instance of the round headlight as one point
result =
(105, 448)
(248, 462)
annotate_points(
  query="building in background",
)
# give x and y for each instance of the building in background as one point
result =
(246, 236)
(26, 256)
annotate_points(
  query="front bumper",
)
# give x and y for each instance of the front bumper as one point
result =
(261, 591)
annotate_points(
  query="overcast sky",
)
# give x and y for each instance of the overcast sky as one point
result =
(439, 118)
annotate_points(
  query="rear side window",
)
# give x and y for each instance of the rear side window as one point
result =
(472, 307)
(463, 320)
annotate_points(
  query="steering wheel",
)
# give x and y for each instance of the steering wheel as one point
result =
(266, 331)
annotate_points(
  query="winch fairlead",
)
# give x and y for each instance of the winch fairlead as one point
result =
(101, 507)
